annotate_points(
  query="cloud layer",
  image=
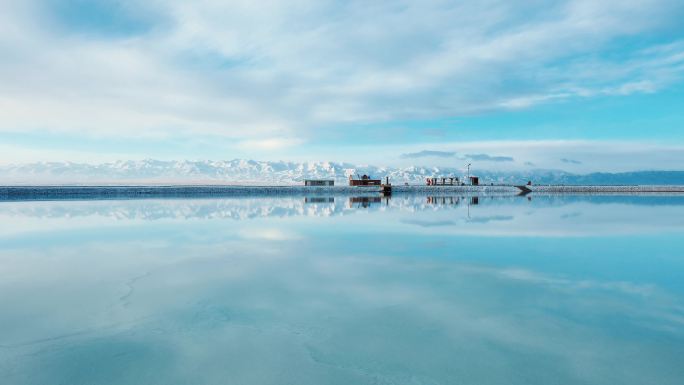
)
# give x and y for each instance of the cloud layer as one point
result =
(451, 154)
(288, 70)
(428, 153)
(570, 161)
(488, 158)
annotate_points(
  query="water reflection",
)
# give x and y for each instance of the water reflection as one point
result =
(443, 200)
(365, 202)
(319, 200)
(544, 215)
(362, 290)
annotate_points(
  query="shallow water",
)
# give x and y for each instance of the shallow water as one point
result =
(343, 290)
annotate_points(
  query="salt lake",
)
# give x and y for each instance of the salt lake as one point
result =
(412, 289)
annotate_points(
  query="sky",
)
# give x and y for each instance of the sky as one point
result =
(578, 85)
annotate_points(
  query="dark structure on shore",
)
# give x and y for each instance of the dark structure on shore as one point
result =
(442, 181)
(319, 182)
(364, 180)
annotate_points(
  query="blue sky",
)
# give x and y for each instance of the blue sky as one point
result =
(577, 85)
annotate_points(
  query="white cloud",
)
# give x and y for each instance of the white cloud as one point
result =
(283, 69)
(573, 155)
(269, 144)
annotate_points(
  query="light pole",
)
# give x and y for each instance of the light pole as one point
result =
(468, 173)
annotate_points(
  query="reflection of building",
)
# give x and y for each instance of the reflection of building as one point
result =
(447, 200)
(364, 180)
(319, 199)
(364, 202)
(319, 182)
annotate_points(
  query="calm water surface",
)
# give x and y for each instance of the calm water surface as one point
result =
(340, 290)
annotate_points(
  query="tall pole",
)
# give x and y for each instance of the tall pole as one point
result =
(468, 172)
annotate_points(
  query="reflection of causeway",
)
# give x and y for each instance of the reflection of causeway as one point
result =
(371, 201)
(354, 202)
(318, 206)
(451, 200)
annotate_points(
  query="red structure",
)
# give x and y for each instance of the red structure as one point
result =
(364, 180)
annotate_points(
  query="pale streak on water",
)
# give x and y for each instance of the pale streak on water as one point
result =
(412, 290)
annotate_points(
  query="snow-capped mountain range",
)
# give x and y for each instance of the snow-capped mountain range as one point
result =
(240, 171)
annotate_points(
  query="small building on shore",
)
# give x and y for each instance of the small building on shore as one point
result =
(364, 180)
(442, 181)
(474, 181)
(319, 182)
